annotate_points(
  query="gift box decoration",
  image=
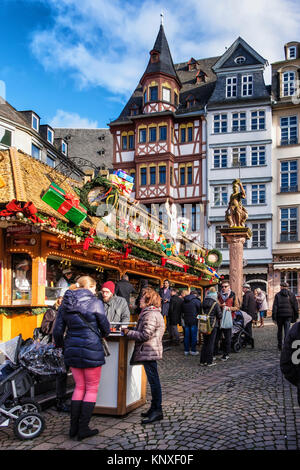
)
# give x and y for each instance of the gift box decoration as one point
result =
(124, 187)
(65, 203)
(121, 174)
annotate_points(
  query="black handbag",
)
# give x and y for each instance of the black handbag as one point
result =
(103, 340)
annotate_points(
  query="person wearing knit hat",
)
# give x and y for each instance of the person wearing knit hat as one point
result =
(116, 308)
(64, 282)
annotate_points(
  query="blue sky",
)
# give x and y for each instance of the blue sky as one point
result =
(75, 63)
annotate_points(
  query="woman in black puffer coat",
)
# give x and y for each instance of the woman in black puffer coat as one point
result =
(83, 351)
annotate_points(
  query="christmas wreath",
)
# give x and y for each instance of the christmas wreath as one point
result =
(107, 197)
(213, 258)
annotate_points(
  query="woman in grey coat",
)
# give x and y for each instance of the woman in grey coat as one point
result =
(148, 348)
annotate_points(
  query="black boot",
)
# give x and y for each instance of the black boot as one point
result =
(156, 415)
(145, 414)
(84, 419)
(75, 414)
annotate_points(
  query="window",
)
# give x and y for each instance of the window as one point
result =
(182, 176)
(289, 176)
(238, 122)
(220, 158)
(5, 136)
(220, 123)
(50, 135)
(166, 93)
(153, 93)
(190, 133)
(35, 152)
(239, 156)
(35, 122)
(258, 194)
(220, 240)
(143, 176)
(182, 134)
(288, 224)
(258, 120)
(291, 277)
(152, 134)
(292, 52)
(195, 217)
(258, 235)
(64, 148)
(130, 141)
(132, 174)
(189, 175)
(21, 279)
(247, 85)
(231, 87)
(288, 84)
(142, 136)
(175, 99)
(152, 175)
(220, 196)
(50, 161)
(258, 155)
(162, 133)
(162, 175)
(289, 131)
(171, 176)
(240, 60)
(124, 142)
(145, 96)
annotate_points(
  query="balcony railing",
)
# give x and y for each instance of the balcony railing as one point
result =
(292, 141)
(289, 237)
(289, 189)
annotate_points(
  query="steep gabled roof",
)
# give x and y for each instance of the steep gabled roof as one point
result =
(239, 45)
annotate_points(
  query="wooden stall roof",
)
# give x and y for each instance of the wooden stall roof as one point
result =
(27, 179)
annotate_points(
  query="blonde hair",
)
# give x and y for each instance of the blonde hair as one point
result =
(83, 282)
(212, 289)
(185, 292)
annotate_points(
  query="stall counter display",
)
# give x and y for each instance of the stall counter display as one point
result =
(122, 386)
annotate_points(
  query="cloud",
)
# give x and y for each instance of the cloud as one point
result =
(71, 120)
(107, 44)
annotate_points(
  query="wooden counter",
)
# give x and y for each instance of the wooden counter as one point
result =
(122, 386)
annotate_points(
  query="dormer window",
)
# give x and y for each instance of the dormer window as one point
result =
(291, 52)
(192, 64)
(35, 122)
(134, 110)
(288, 84)
(201, 76)
(190, 101)
(50, 135)
(154, 56)
(240, 59)
(64, 148)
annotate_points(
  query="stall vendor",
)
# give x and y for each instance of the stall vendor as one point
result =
(22, 283)
(116, 308)
(64, 282)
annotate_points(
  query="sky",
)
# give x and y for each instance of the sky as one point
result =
(76, 63)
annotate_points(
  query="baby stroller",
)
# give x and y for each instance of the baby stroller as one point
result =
(15, 383)
(240, 331)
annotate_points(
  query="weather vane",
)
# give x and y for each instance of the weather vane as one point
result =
(162, 18)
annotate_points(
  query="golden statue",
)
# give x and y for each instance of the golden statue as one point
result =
(236, 215)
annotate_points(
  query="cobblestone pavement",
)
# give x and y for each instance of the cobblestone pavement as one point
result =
(241, 404)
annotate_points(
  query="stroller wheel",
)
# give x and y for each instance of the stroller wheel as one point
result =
(29, 405)
(237, 347)
(29, 426)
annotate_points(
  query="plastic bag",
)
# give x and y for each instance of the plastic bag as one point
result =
(226, 321)
(42, 359)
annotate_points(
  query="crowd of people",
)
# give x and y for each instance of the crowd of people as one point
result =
(82, 317)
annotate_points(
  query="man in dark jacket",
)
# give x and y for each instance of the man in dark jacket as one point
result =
(191, 307)
(284, 311)
(249, 306)
(290, 357)
(124, 288)
(175, 315)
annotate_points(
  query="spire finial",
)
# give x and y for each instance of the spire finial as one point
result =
(162, 18)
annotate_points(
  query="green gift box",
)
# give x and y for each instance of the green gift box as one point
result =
(65, 203)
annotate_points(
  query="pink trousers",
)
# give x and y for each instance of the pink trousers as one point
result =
(86, 383)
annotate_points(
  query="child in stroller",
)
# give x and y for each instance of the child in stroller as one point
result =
(15, 383)
(240, 331)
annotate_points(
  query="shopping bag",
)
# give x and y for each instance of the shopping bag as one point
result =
(226, 321)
